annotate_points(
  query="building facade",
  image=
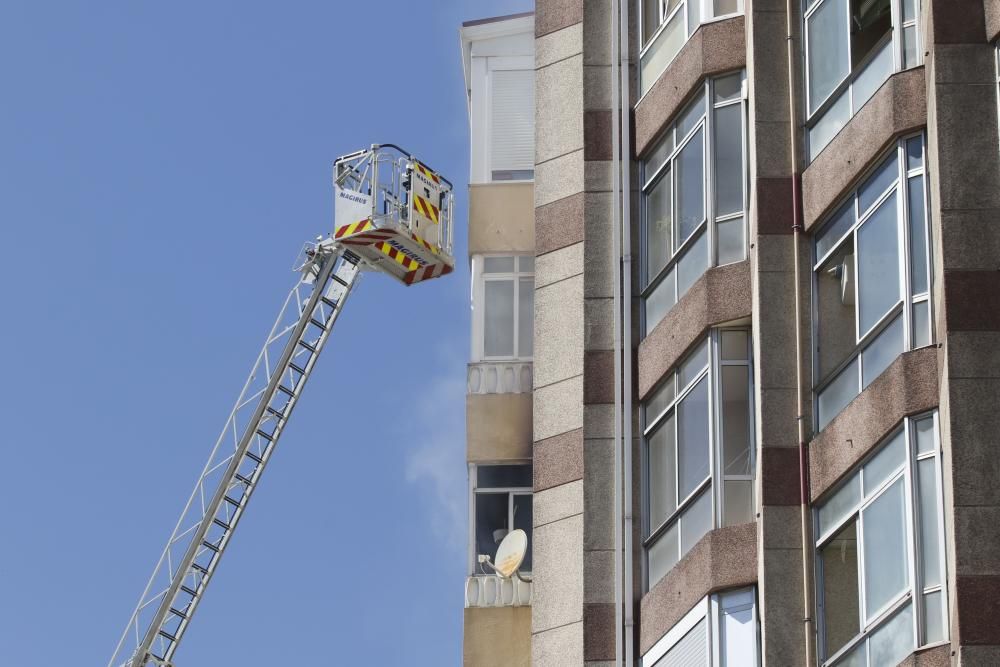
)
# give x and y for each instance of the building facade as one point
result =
(765, 367)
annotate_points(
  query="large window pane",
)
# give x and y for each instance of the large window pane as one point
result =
(841, 504)
(491, 522)
(873, 75)
(498, 321)
(839, 560)
(693, 439)
(930, 538)
(828, 60)
(498, 264)
(660, 300)
(878, 265)
(662, 51)
(885, 549)
(696, 521)
(835, 309)
(662, 474)
(735, 420)
(691, 116)
(693, 365)
(739, 632)
(835, 229)
(836, 395)
(918, 236)
(893, 641)
(877, 183)
(882, 351)
(525, 317)
(663, 554)
(650, 18)
(885, 464)
(692, 264)
(829, 124)
(690, 187)
(729, 159)
(658, 227)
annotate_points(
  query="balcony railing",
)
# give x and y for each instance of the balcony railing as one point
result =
(499, 377)
(492, 591)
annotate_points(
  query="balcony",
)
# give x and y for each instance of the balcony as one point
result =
(499, 377)
(492, 591)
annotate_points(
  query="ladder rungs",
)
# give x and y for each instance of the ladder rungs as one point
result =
(234, 503)
(222, 524)
(164, 633)
(178, 613)
(308, 346)
(206, 543)
(317, 323)
(276, 413)
(253, 457)
(298, 369)
(266, 436)
(243, 479)
(189, 591)
(331, 304)
(200, 568)
(285, 390)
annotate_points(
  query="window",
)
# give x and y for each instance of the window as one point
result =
(720, 631)
(665, 25)
(512, 124)
(695, 175)
(872, 280)
(880, 554)
(852, 46)
(501, 502)
(503, 302)
(997, 57)
(697, 432)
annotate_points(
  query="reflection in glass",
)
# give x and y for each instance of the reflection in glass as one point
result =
(878, 265)
(662, 474)
(690, 188)
(894, 640)
(828, 60)
(693, 439)
(882, 351)
(885, 549)
(839, 560)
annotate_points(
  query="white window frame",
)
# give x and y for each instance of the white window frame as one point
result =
(905, 306)
(481, 111)
(846, 86)
(651, 175)
(479, 280)
(709, 607)
(714, 485)
(474, 490)
(915, 592)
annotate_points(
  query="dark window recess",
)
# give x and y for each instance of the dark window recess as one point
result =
(503, 476)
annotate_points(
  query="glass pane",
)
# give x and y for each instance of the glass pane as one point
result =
(526, 263)
(498, 265)
(914, 153)
(660, 399)
(739, 634)
(691, 116)
(663, 555)
(723, 7)
(693, 439)
(738, 504)
(836, 395)
(829, 124)
(885, 464)
(696, 521)
(728, 88)
(728, 159)
(877, 183)
(930, 537)
(694, 15)
(934, 620)
(693, 365)
(839, 606)
(491, 522)
(911, 56)
(885, 550)
(835, 229)
(658, 227)
(659, 155)
(878, 265)
(840, 505)
(662, 474)
(660, 301)
(828, 60)
(650, 18)
(909, 10)
(525, 317)
(729, 235)
(894, 640)
(503, 476)
(498, 318)
(522, 520)
(836, 337)
(736, 420)
(923, 431)
(858, 657)
(662, 51)
(881, 352)
(693, 264)
(874, 74)
(918, 235)
(921, 324)
(690, 188)
(734, 345)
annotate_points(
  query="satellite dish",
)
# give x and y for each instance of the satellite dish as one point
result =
(510, 553)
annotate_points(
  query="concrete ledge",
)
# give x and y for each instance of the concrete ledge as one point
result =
(498, 427)
(899, 106)
(992, 8)
(722, 294)
(725, 558)
(714, 48)
(939, 656)
(501, 218)
(907, 387)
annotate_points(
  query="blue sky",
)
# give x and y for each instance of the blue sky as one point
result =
(160, 166)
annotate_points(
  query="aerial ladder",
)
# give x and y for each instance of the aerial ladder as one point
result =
(393, 215)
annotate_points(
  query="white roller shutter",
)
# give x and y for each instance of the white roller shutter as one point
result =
(690, 651)
(512, 120)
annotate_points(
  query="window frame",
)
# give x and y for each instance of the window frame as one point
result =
(479, 280)
(491, 65)
(714, 483)
(915, 592)
(904, 307)
(475, 490)
(652, 175)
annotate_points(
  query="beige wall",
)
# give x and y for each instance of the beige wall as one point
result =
(498, 427)
(501, 218)
(497, 637)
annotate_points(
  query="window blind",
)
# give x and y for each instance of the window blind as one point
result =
(512, 120)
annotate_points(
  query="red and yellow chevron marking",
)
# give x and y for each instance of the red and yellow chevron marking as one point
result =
(426, 172)
(428, 272)
(368, 238)
(425, 208)
(400, 258)
(353, 228)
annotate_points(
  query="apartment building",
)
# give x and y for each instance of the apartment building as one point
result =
(498, 57)
(765, 406)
